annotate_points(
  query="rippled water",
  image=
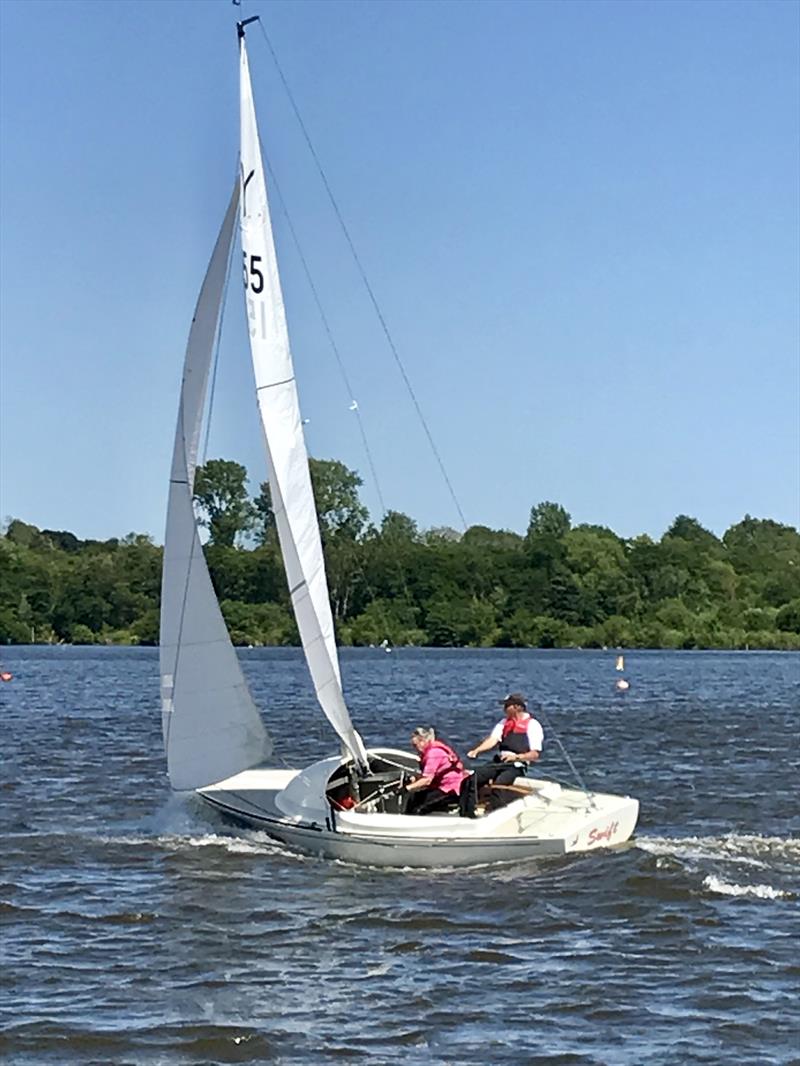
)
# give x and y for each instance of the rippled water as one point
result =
(140, 928)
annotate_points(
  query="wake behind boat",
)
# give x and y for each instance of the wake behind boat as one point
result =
(349, 806)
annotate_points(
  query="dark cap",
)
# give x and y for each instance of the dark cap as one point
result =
(514, 699)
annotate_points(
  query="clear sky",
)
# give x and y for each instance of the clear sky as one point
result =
(580, 221)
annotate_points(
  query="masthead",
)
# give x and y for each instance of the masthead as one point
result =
(245, 22)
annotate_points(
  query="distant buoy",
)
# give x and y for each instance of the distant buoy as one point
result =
(5, 677)
(622, 685)
(620, 662)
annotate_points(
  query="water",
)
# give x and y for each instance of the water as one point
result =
(140, 928)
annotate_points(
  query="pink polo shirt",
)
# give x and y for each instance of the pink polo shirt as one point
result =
(432, 761)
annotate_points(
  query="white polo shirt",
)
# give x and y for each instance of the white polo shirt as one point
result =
(534, 731)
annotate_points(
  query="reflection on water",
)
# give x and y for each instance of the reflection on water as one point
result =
(140, 927)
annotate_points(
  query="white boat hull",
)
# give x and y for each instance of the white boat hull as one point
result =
(549, 820)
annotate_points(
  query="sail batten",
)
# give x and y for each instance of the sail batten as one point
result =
(212, 728)
(287, 458)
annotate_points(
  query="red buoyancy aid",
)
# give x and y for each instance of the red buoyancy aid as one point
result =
(516, 725)
(455, 763)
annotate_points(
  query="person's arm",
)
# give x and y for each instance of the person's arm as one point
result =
(520, 756)
(485, 745)
(430, 764)
(419, 783)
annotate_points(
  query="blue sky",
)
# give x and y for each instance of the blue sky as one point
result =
(580, 221)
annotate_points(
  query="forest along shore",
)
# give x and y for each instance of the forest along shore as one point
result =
(556, 586)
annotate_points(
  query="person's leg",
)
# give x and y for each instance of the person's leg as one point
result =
(426, 800)
(503, 796)
(471, 786)
(468, 797)
(486, 773)
(433, 799)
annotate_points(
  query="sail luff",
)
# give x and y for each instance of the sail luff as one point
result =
(212, 728)
(287, 458)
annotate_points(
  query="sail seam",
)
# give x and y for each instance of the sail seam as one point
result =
(274, 384)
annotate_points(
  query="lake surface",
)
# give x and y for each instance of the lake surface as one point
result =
(137, 927)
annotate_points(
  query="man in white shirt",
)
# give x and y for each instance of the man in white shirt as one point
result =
(520, 738)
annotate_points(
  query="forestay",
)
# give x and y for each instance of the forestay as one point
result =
(287, 459)
(212, 728)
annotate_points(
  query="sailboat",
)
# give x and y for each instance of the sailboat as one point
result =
(348, 806)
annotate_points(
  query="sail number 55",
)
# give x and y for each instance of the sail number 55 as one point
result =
(253, 278)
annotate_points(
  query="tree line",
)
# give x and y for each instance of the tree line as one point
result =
(558, 585)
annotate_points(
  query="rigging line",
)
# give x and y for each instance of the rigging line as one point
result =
(364, 278)
(565, 753)
(359, 570)
(329, 332)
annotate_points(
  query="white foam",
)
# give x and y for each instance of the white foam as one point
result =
(723, 888)
(252, 844)
(747, 849)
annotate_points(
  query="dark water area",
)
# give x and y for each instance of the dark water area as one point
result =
(138, 927)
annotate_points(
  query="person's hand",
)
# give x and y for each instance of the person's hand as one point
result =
(472, 754)
(508, 756)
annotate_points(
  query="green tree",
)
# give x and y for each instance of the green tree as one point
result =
(492, 539)
(549, 519)
(788, 617)
(221, 494)
(441, 535)
(259, 623)
(27, 536)
(397, 527)
(339, 508)
(145, 629)
(458, 621)
(392, 620)
(597, 560)
(689, 529)
(63, 539)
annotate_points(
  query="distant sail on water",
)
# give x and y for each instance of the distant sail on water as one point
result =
(620, 662)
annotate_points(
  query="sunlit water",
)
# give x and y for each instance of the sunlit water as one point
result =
(140, 928)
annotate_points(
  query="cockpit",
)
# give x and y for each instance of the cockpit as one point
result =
(380, 791)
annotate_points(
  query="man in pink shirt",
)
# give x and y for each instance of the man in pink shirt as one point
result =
(440, 774)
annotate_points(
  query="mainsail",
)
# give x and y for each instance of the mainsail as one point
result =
(212, 728)
(287, 459)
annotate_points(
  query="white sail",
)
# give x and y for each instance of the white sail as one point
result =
(212, 728)
(287, 459)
